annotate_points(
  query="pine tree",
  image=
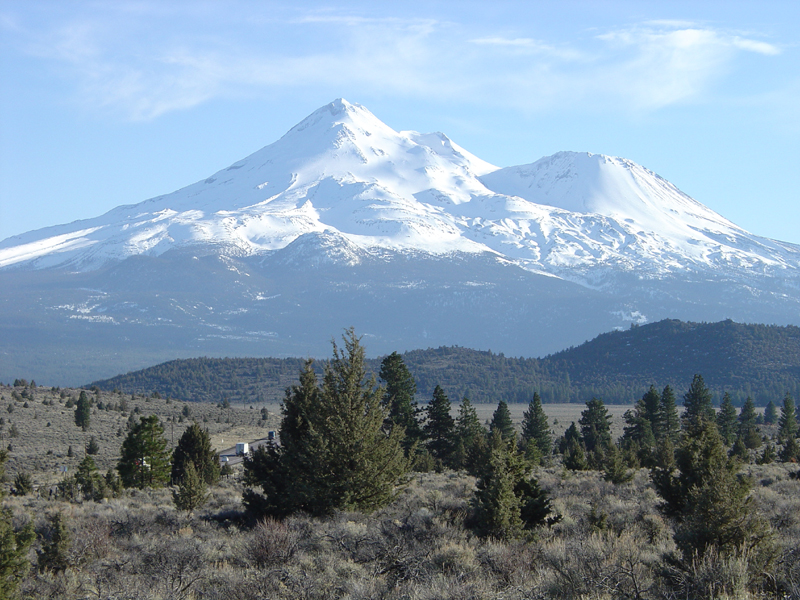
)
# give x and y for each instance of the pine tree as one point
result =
(770, 413)
(144, 460)
(536, 428)
(502, 423)
(83, 411)
(195, 447)
(469, 434)
(787, 424)
(92, 447)
(398, 398)
(668, 410)
(191, 492)
(335, 452)
(748, 430)
(727, 423)
(440, 426)
(595, 426)
(697, 403)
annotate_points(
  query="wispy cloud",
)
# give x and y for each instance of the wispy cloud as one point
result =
(147, 62)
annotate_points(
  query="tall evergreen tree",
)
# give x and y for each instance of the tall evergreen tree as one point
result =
(712, 505)
(144, 460)
(335, 452)
(727, 422)
(787, 424)
(595, 425)
(506, 502)
(669, 416)
(470, 436)
(195, 447)
(536, 428)
(439, 426)
(191, 492)
(398, 398)
(502, 423)
(83, 411)
(748, 429)
(770, 413)
(697, 403)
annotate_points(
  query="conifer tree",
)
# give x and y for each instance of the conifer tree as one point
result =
(502, 423)
(727, 423)
(506, 502)
(194, 447)
(439, 426)
(53, 555)
(191, 492)
(787, 424)
(398, 398)
(83, 411)
(335, 452)
(595, 425)
(697, 403)
(748, 430)
(144, 460)
(469, 434)
(770, 413)
(669, 416)
(711, 504)
(536, 428)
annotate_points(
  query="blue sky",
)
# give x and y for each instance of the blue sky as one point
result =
(109, 103)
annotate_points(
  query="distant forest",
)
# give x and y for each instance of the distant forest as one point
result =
(745, 360)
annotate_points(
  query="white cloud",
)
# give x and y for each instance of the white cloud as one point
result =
(146, 63)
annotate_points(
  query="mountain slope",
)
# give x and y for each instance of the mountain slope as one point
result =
(406, 236)
(744, 360)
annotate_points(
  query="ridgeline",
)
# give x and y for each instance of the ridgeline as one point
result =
(759, 361)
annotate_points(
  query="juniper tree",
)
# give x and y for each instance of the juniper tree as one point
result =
(191, 492)
(506, 501)
(194, 447)
(335, 452)
(770, 413)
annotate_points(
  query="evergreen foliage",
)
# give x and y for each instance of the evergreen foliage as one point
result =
(770, 413)
(398, 398)
(727, 423)
(697, 402)
(83, 411)
(502, 423)
(335, 452)
(470, 437)
(670, 421)
(536, 429)
(55, 548)
(711, 504)
(748, 429)
(787, 423)
(506, 501)
(439, 426)
(192, 490)
(595, 425)
(194, 447)
(93, 447)
(144, 459)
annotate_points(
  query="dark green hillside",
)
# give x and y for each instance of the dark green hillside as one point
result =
(760, 361)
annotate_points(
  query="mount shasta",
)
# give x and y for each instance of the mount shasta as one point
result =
(405, 236)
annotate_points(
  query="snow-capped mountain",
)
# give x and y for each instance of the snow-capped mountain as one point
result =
(478, 255)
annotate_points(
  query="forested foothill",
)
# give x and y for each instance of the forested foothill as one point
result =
(757, 361)
(369, 493)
